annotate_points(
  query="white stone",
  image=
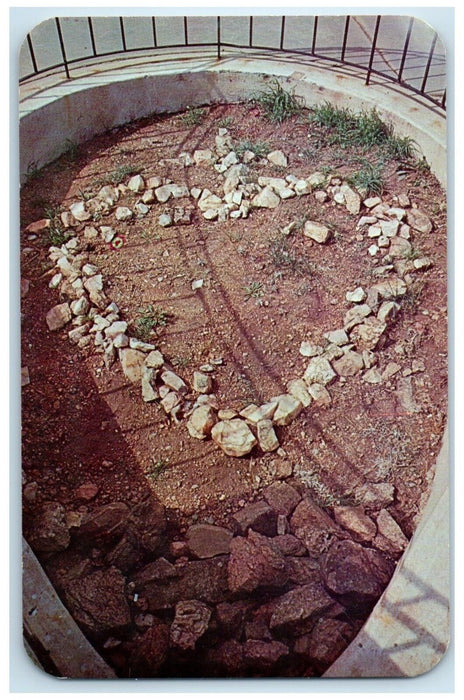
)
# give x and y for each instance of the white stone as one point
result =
(173, 381)
(299, 389)
(137, 344)
(141, 209)
(154, 359)
(107, 233)
(349, 364)
(372, 376)
(79, 307)
(338, 337)
(356, 296)
(317, 232)
(278, 158)
(266, 199)
(165, 220)
(79, 211)
(201, 422)
(320, 394)
(267, 438)
(208, 200)
(202, 383)
(115, 329)
(374, 231)
(149, 392)
(390, 228)
(55, 280)
(132, 364)
(352, 199)
(124, 213)
(136, 183)
(319, 371)
(308, 349)
(288, 408)
(234, 437)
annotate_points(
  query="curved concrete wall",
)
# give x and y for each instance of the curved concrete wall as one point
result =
(400, 637)
(107, 97)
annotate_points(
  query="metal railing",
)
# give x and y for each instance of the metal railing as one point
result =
(421, 70)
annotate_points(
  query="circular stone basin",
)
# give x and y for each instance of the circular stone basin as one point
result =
(224, 321)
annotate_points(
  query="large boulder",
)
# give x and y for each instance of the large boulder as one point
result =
(205, 541)
(98, 601)
(50, 532)
(255, 562)
(313, 527)
(203, 579)
(190, 622)
(149, 651)
(234, 437)
(297, 611)
(354, 574)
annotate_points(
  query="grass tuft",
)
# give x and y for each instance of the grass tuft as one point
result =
(149, 319)
(278, 104)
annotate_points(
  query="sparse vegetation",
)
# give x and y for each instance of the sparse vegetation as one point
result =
(278, 104)
(71, 149)
(225, 122)
(254, 290)
(193, 116)
(259, 148)
(115, 177)
(157, 467)
(56, 233)
(368, 180)
(283, 256)
(149, 319)
(366, 130)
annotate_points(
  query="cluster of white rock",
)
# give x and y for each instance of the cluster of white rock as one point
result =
(347, 351)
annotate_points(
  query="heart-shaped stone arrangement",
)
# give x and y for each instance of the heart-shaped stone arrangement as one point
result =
(351, 349)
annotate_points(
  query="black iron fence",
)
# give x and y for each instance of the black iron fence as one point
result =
(400, 49)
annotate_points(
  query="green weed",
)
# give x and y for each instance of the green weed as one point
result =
(278, 104)
(149, 319)
(283, 256)
(193, 116)
(368, 180)
(254, 290)
(259, 148)
(157, 467)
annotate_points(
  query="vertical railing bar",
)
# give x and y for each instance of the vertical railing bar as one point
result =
(250, 38)
(31, 51)
(374, 42)
(123, 33)
(345, 37)
(186, 41)
(405, 49)
(153, 26)
(63, 51)
(218, 24)
(282, 33)
(92, 36)
(313, 45)
(429, 62)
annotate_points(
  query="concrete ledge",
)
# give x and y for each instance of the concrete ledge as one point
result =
(51, 635)
(105, 95)
(408, 631)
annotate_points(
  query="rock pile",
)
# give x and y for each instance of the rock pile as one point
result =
(281, 589)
